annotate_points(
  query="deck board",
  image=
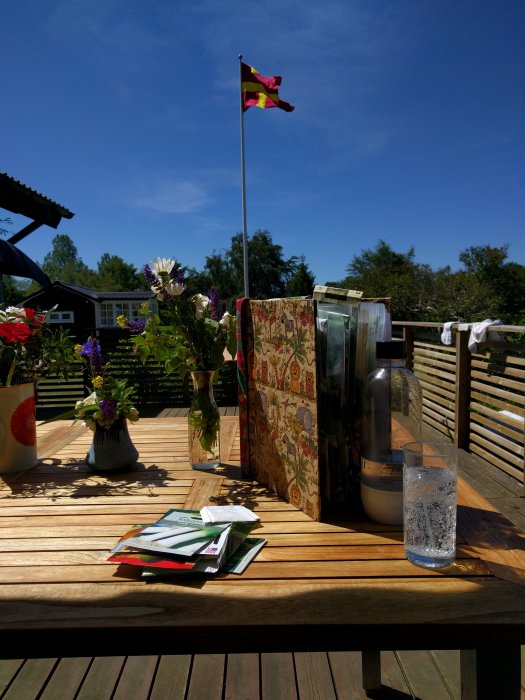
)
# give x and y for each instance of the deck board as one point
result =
(278, 676)
(171, 679)
(207, 677)
(101, 679)
(314, 677)
(66, 679)
(423, 677)
(136, 678)
(242, 677)
(30, 679)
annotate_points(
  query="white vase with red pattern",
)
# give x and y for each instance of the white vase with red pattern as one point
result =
(17, 428)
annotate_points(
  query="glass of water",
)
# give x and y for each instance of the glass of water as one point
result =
(429, 503)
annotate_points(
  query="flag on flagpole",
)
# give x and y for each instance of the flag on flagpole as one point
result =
(258, 91)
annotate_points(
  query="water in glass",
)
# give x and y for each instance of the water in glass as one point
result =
(429, 498)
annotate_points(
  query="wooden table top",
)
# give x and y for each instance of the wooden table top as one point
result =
(314, 585)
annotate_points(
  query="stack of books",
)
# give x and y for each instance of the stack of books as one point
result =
(192, 542)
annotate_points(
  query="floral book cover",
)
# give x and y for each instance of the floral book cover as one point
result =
(278, 398)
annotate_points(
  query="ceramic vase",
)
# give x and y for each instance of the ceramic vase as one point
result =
(204, 423)
(112, 448)
(17, 428)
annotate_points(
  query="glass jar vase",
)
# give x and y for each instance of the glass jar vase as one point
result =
(204, 423)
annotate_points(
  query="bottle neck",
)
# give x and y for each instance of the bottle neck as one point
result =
(381, 362)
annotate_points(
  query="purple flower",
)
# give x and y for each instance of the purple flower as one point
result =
(152, 278)
(108, 408)
(91, 349)
(214, 304)
(177, 275)
(136, 327)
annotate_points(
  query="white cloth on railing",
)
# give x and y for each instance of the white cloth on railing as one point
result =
(446, 334)
(478, 333)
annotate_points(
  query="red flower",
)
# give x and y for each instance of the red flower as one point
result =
(15, 332)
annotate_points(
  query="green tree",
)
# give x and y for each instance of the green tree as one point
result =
(5, 231)
(63, 263)
(115, 275)
(269, 271)
(485, 261)
(382, 272)
(302, 281)
(502, 283)
(487, 287)
(458, 296)
(13, 290)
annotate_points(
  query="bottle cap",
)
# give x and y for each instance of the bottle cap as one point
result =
(390, 350)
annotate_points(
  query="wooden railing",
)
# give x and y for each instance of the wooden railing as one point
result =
(153, 388)
(475, 399)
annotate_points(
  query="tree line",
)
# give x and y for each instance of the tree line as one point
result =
(487, 285)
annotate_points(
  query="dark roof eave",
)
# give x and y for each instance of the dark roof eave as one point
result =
(21, 199)
(95, 296)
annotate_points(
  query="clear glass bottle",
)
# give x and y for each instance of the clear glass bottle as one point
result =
(204, 423)
(392, 413)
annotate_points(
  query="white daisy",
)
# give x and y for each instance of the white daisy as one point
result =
(13, 314)
(174, 289)
(162, 266)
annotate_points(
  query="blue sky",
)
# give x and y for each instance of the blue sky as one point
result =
(408, 125)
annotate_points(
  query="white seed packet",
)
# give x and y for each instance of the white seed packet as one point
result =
(227, 514)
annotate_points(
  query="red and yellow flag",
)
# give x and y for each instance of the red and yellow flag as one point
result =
(258, 91)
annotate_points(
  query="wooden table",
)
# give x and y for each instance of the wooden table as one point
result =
(315, 586)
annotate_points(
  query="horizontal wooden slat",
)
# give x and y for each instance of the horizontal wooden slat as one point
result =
(500, 463)
(500, 429)
(443, 389)
(493, 380)
(446, 350)
(491, 357)
(431, 363)
(508, 452)
(504, 369)
(479, 436)
(271, 571)
(435, 373)
(479, 399)
(442, 406)
(489, 391)
(496, 414)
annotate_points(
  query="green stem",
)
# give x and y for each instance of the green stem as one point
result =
(10, 374)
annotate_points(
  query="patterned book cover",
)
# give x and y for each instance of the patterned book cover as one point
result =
(278, 398)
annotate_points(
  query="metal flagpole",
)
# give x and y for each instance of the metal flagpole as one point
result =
(243, 179)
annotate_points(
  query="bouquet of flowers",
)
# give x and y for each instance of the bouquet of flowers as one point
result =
(111, 399)
(196, 339)
(29, 350)
(198, 332)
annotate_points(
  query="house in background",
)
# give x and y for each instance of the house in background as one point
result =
(86, 312)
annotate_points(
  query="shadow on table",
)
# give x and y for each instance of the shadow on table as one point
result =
(497, 542)
(55, 478)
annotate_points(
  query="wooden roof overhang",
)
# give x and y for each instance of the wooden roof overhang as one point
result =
(21, 199)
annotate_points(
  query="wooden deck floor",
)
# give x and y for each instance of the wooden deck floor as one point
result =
(303, 676)
(423, 675)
